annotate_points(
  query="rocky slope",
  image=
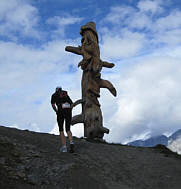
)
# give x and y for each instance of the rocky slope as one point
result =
(32, 160)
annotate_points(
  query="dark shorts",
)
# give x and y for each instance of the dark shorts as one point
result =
(64, 115)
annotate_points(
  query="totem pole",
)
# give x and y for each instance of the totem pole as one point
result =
(91, 83)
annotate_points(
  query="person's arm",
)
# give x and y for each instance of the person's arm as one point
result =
(54, 108)
(53, 103)
(70, 101)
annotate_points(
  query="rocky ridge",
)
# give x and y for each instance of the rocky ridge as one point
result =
(32, 160)
(173, 142)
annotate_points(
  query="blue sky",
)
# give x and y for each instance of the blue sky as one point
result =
(141, 37)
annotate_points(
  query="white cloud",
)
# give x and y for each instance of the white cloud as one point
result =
(61, 22)
(13, 126)
(29, 79)
(34, 127)
(28, 63)
(55, 130)
(152, 6)
(18, 16)
(169, 37)
(126, 45)
(153, 29)
(118, 14)
(139, 21)
(169, 22)
(148, 100)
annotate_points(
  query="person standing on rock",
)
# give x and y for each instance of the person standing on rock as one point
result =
(62, 105)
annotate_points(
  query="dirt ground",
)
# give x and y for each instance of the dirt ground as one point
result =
(32, 160)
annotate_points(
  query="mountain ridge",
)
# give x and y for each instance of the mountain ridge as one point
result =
(161, 139)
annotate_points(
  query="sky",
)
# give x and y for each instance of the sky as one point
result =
(141, 37)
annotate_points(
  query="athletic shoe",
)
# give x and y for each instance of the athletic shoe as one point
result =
(63, 149)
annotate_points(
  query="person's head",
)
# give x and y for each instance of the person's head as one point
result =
(58, 89)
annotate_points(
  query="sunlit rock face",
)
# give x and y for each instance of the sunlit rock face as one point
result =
(174, 142)
(175, 145)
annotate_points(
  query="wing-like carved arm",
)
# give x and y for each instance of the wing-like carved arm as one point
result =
(107, 64)
(80, 101)
(77, 119)
(76, 50)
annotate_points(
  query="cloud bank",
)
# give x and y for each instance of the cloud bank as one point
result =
(142, 39)
(144, 42)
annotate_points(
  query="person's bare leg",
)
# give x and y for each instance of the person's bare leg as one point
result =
(69, 133)
(62, 137)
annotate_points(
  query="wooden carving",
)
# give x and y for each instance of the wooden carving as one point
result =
(91, 83)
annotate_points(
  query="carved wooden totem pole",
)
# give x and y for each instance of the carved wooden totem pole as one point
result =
(91, 83)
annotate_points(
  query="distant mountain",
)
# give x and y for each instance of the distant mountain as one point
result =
(153, 141)
(175, 135)
(173, 142)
